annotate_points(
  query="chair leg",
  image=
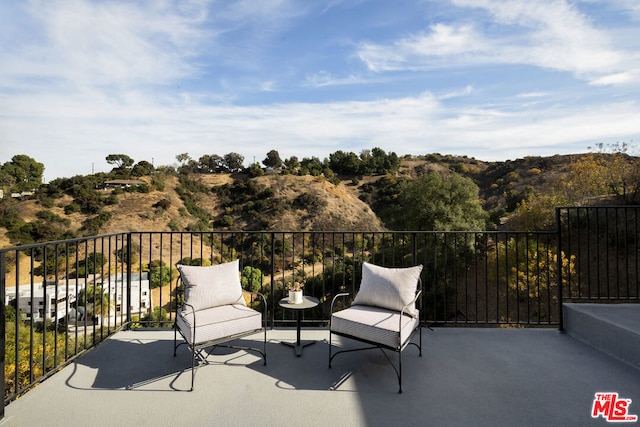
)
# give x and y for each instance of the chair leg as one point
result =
(193, 367)
(175, 339)
(400, 372)
(265, 347)
(330, 348)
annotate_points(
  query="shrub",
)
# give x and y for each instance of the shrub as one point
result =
(158, 318)
(163, 204)
(225, 221)
(159, 276)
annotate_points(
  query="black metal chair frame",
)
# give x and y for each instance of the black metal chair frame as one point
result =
(382, 347)
(196, 348)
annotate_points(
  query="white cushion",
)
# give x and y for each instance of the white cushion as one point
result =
(391, 288)
(218, 323)
(212, 286)
(374, 324)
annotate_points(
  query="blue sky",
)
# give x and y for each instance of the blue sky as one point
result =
(490, 79)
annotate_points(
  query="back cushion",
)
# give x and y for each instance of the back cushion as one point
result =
(212, 286)
(390, 288)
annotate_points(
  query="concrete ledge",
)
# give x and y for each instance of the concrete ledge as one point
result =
(613, 329)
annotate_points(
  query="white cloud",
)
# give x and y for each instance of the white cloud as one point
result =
(547, 34)
(104, 44)
(468, 90)
(324, 78)
(631, 6)
(427, 50)
(156, 78)
(86, 128)
(531, 95)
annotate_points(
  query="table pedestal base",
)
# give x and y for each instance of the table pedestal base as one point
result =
(307, 302)
(298, 346)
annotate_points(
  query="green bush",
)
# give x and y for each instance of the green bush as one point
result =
(252, 278)
(225, 221)
(160, 276)
(158, 318)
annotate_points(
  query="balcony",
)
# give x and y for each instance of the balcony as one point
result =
(467, 376)
(497, 303)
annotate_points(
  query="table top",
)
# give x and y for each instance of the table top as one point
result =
(307, 302)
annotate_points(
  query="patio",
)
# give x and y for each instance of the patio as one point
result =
(467, 376)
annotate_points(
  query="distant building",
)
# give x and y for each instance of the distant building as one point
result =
(54, 304)
(123, 183)
(46, 302)
(140, 303)
(22, 194)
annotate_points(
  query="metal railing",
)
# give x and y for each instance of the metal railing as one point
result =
(605, 245)
(65, 297)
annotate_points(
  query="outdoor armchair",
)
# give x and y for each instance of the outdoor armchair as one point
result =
(215, 312)
(383, 313)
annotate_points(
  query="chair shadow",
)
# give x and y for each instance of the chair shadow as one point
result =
(130, 364)
(309, 371)
(146, 364)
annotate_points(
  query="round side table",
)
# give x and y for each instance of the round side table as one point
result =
(307, 302)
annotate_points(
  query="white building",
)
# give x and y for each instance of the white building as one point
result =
(47, 301)
(140, 303)
(51, 303)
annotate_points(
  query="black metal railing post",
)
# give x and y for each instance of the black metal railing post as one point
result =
(273, 269)
(129, 261)
(559, 268)
(3, 302)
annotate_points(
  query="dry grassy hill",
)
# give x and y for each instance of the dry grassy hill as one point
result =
(293, 202)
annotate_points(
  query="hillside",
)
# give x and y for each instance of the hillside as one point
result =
(273, 201)
(309, 203)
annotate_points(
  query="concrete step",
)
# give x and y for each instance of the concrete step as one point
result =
(613, 329)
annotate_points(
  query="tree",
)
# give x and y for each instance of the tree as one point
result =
(96, 299)
(88, 198)
(311, 166)
(273, 160)
(94, 262)
(121, 161)
(122, 254)
(345, 163)
(210, 163)
(47, 227)
(532, 266)
(436, 201)
(255, 170)
(610, 171)
(291, 164)
(377, 161)
(142, 168)
(183, 157)
(22, 173)
(536, 212)
(160, 276)
(6, 180)
(233, 161)
(252, 278)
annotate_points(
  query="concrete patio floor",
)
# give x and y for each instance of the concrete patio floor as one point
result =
(466, 377)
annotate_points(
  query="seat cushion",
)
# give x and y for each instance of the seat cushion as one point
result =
(374, 324)
(391, 288)
(217, 323)
(211, 286)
